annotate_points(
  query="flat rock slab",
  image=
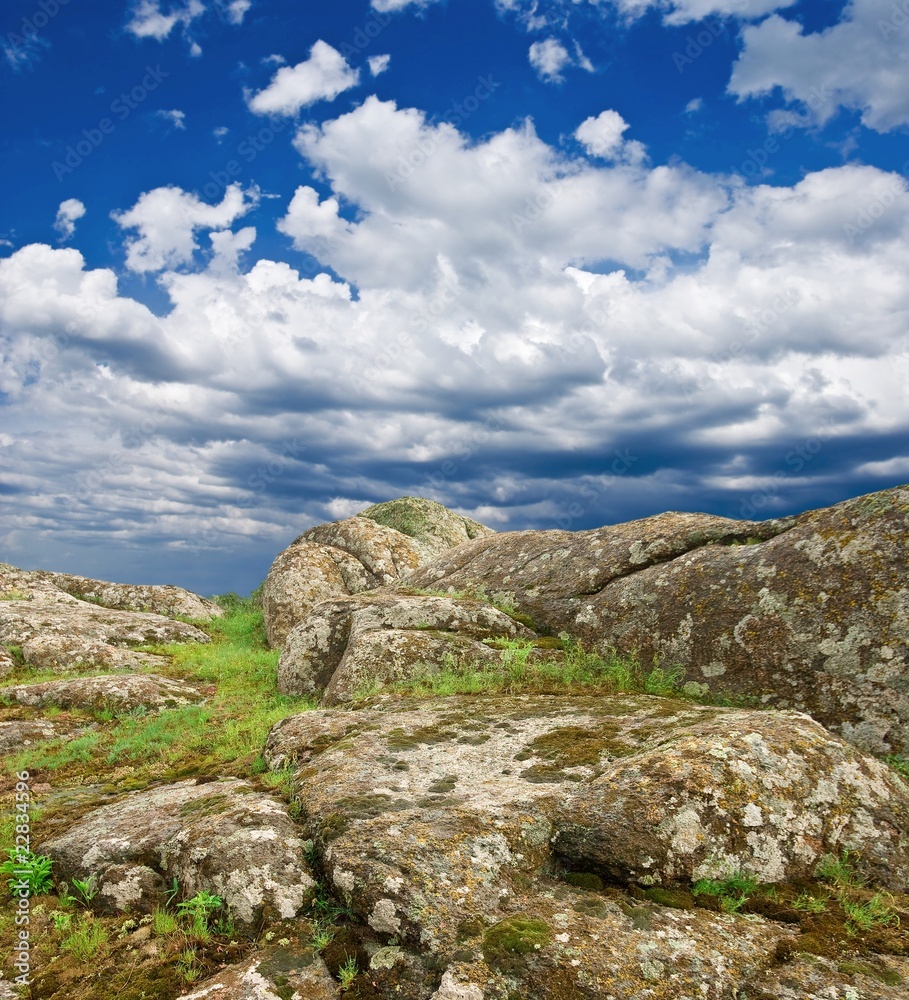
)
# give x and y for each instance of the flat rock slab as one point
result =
(275, 974)
(808, 612)
(437, 821)
(120, 692)
(809, 977)
(374, 639)
(19, 734)
(220, 836)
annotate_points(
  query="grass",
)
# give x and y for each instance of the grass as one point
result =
(225, 734)
(732, 893)
(865, 915)
(842, 871)
(519, 670)
(85, 939)
(899, 763)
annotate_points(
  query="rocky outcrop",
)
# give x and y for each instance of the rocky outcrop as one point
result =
(808, 612)
(57, 631)
(19, 734)
(118, 692)
(219, 836)
(155, 599)
(345, 645)
(359, 553)
(443, 825)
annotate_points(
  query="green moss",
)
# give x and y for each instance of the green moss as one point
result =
(443, 785)
(678, 899)
(517, 935)
(205, 806)
(572, 746)
(584, 880)
(471, 927)
(883, 975)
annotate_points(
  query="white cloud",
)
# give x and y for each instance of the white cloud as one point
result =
(676, 12)
(68, 213)
(168, 218)
(603, 136)
(393, 6)
(177, 119)
(321, 77)
(859, 63)
(694, 105)
(221, 133)
(549, 58)
(237, 10)
(378, 64)
(514, 302)
(147, 20)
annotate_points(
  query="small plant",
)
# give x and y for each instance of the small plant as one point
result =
(732, 892)
(808, 903)
(172, 893)
(85, 890)
(163, 922)
(899, 764)
(13, 595)
(188, 965)
(347, 973)
(62, 921)
(85, 941)
(27, 872)
(841, 871)
(874, 912)
(199, 910)
(322, 936)
(664, 681)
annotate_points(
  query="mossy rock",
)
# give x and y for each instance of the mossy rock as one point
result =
(585, 880)
(513, 937)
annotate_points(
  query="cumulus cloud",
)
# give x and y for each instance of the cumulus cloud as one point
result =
(603, 136)
(378, 64)
(167, 220)
(176, 119)
(69, 212)
(549, 58)
(320, 78)
(148, 20)
(236, 10)
(859, 63)
(525, 322)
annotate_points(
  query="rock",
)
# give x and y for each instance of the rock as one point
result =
(433, 528)
(7, 662)
(346, 644)
(808, 612)
(356, 554)
(454, 989)
(811, 977)
(18, 734)
(161, 600)
(442, 823)
(763, 793)
(155, 599)
(276, 974)
(57, 631)
(120, 692)
(220, 836)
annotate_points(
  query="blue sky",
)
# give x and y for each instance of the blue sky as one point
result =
(555, 264)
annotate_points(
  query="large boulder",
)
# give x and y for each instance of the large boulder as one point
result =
(808, 612)
(56, 630)
(359, 553)
(222, 836)
(370, 640)
(446, 826)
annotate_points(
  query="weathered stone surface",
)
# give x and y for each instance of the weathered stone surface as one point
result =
(57, 631)
(155, 599)
(275, 974)
(7, 662)
(432, 527)
(347, 643)
(220, 836)
(433, 820)
(18, 734)
(811, 977)
(356, 554)
(762, 792)
(120, 692)
(809, 612)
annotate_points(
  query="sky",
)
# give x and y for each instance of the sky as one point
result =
(554, 263)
